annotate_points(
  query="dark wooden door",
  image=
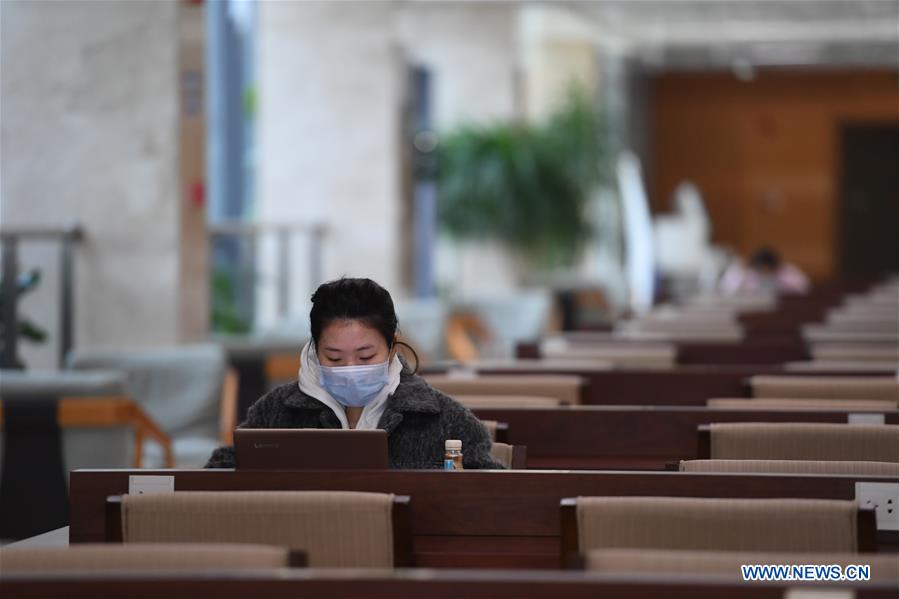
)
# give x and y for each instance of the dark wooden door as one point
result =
(869, 196)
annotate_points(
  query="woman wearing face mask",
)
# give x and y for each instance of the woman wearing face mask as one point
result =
(351, 377)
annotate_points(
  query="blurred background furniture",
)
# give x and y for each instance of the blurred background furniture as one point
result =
(187, 390)
(56, 422)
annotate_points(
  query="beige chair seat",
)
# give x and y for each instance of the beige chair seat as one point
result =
(824, 387)
(744, 300)
(791, 525)
(851, 366)
(884, 568)
(819, 334)
(539, 366)
(502, 453)
(860, 325)
(334, 528)
(792, 467)
(695, 316)
(680, 330)
(855, 353)
(888, 313)
(564, 388)
(106, 557)
(507, 401)
(802, 403)
(804, 441)
(618, 354)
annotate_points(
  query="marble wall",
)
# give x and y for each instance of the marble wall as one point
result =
(331, 79)
(90, 135)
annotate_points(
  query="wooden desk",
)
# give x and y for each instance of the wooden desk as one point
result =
(784, 320)
(629, 437)
(762, 351)
(401, 584)
(473, 519)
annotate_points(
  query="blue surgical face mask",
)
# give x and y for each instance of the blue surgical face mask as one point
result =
(354, 386)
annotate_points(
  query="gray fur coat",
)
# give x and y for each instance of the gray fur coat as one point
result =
(417, 418)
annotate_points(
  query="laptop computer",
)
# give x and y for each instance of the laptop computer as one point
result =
(310, 449)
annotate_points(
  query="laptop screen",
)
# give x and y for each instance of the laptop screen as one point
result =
(310, 449)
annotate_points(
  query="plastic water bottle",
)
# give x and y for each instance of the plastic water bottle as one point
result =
(452, 458)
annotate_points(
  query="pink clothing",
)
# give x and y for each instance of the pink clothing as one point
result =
(740, 278)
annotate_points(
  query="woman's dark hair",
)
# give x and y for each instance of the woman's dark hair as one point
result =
(353, 299)
(764, 257)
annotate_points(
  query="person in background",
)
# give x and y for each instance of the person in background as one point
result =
(764, 272)
(351, 377)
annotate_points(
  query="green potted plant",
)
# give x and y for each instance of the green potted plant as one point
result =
(226, 317)
(525, 185)
(27, 330)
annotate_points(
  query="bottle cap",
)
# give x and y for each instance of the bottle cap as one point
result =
(453, 444)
